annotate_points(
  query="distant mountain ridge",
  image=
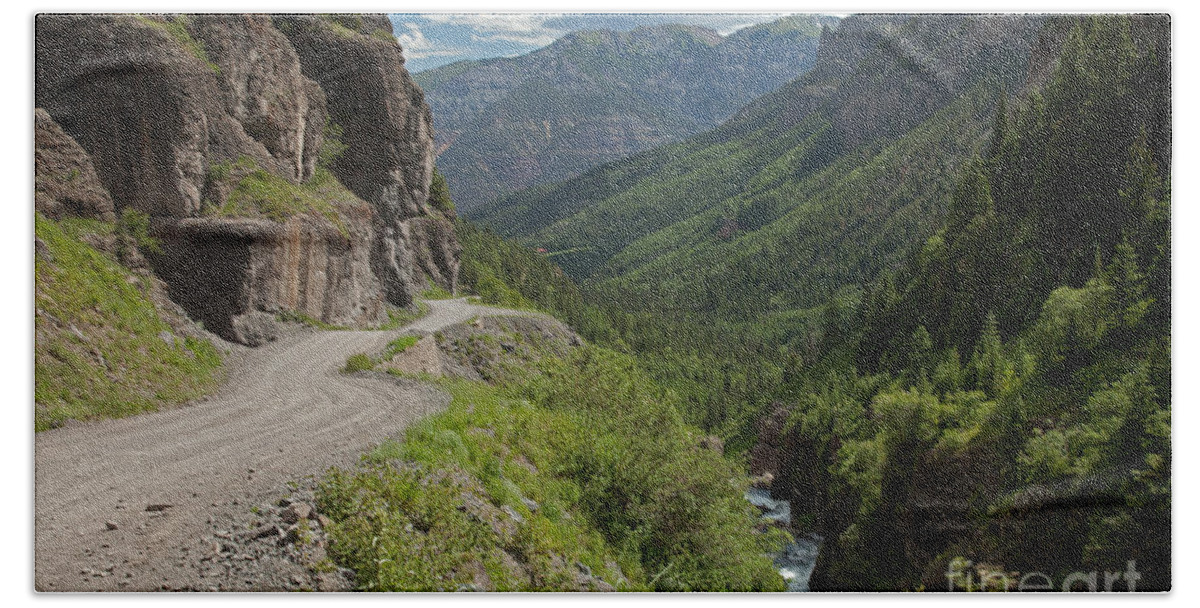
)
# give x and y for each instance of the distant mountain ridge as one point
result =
(595, 96)
(815, 186)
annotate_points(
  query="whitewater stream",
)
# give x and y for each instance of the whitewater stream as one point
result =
(797, 559)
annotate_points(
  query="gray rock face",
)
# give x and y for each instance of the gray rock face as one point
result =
(147, 109)
(234, 275)
(387, 129)
(264, 89)
(165, 105)
(65, 182)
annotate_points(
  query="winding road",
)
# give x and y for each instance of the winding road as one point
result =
(284, 412)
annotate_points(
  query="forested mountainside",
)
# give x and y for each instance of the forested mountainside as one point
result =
(506, 124)
(980, 386)
(1001, 403)
(811, 188)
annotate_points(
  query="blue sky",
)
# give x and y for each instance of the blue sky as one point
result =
(433, 39)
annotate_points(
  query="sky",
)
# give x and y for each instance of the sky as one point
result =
(430, 40)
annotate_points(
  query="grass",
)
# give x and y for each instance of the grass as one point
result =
(432, 539)
(259, 193)
(398, 346)
(436, 292)
(176, 27)
(399, 317)
(101, 350)
(358, 362)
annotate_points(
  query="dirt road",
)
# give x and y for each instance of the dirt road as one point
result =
(285, 412)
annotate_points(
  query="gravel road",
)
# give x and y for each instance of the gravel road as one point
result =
(285, 412)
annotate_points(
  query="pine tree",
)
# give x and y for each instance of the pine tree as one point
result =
(972, 197)
(999, 127)
(1129, 285)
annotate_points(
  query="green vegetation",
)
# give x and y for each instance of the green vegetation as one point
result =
(101, 349)
(399, 317)
(722, 379)
(176, 27)
(594, 461)
(359, 362)
(953, 316)
(439, 195)
(398, 346)
(256, 192)
(596, 96)
(435, 292)
(135, 226)
(1026, 345)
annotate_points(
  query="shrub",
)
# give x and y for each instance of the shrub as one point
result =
(136, 225)
(436, 292)
(618, 478)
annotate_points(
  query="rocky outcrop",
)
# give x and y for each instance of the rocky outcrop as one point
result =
(387, 129)
(487, 348)
(236, 275)
(145, 106)
(877, 76)
(435, 248)
(176, 112)
(65, 182)
(265, 90)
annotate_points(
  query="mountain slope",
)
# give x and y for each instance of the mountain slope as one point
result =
(595, 96)
(770, 211)
(1002, 403)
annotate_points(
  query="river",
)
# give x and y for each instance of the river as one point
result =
(797, 559)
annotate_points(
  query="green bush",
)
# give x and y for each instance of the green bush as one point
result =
(136, 225)
(436, 292)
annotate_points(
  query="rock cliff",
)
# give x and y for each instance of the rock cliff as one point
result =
(386, 127)
(236, 134)
(65, 182)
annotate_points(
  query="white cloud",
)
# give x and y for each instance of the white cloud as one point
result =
(417, 46)
(414, 39)
(519, 28)
(505, 23)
